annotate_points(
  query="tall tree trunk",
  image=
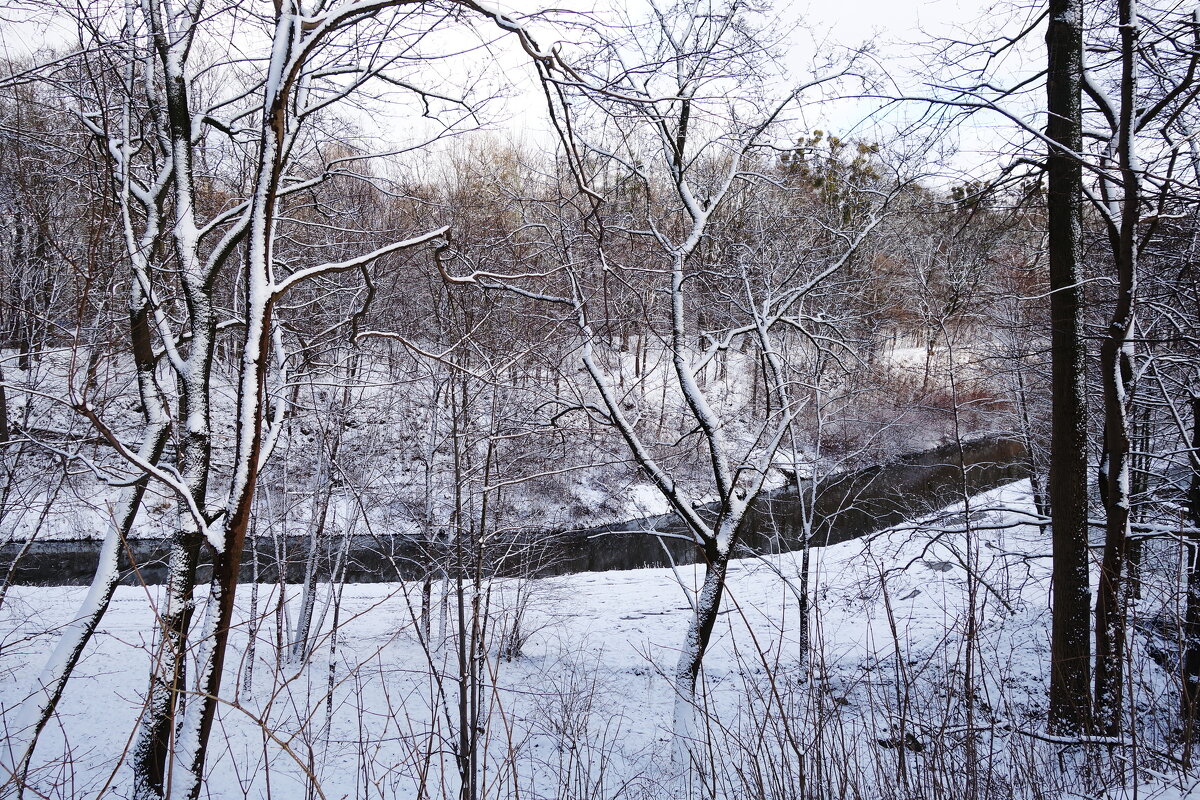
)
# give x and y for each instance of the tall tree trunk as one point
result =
(194, 729)
(1190, 698)
(166, 693)
(1116, 372)
(1070, 653)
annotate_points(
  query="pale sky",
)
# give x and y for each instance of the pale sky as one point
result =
(889, 23)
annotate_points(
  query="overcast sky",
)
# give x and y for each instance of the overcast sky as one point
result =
(894, 25)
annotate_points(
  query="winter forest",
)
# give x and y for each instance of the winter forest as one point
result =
(427, 399)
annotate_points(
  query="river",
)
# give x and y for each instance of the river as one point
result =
(847, 505)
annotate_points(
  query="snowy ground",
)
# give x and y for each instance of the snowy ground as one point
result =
(585, 710)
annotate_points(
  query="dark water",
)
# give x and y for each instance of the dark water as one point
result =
(846, 506)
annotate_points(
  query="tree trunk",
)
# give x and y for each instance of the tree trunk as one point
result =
(303, 637)
(3, 409)
(1116, 372)
(151, 753)
(166, 694)
(1190, 697)
(687, 735)
(252, 639)
(1069, 646)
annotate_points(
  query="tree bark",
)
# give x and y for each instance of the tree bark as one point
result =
(1190, 696)
(1116, 374)
(167, 681)
(687, 671)
(1070, 653)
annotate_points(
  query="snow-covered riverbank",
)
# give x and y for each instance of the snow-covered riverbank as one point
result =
(585, 709)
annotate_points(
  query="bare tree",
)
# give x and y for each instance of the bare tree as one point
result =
(666, 130)
(1135, 181)
(156, 125)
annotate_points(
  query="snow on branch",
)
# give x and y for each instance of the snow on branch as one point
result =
(300, 276)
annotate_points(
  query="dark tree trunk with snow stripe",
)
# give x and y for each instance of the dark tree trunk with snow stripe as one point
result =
(1070, 654)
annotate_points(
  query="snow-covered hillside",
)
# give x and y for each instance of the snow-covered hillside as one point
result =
(884, 705)
(392, 425)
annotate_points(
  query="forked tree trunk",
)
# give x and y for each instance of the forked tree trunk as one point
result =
(192, 746)
(303, 637)
(166, 693)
